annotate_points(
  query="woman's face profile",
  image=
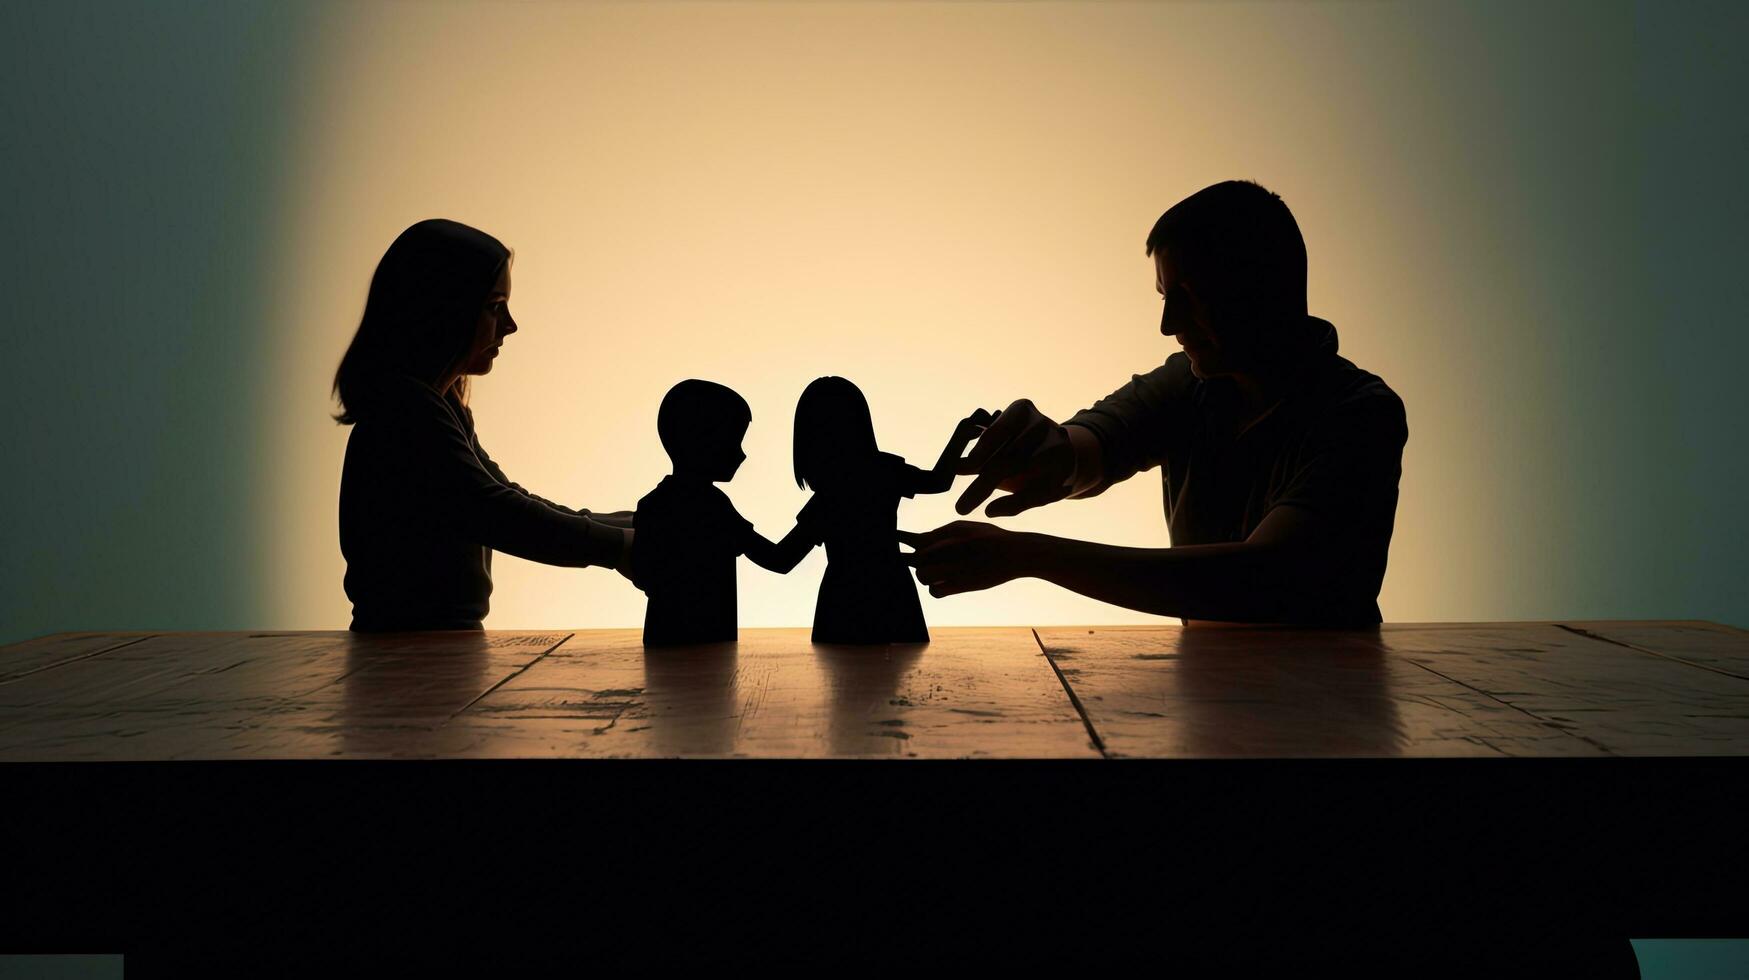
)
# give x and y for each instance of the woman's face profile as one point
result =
(494, 325)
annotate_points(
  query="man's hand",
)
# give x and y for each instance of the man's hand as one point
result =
(968, 556)
(972, 425)
(1022, 452)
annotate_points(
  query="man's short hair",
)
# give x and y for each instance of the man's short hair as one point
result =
(699, 419)
(1238, 245)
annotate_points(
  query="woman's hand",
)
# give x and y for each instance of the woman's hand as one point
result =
(969, 556)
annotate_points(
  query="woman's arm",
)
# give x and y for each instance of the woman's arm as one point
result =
(618, 518)
(940, 479)
(782, 556)
(477, 500)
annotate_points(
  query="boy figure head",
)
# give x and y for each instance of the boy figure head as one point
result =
(701, 424)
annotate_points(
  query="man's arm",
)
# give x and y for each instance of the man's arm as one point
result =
(1089, 469)
(1039, 461)
(1264, 578)
(1318, 551)
(1132, 429)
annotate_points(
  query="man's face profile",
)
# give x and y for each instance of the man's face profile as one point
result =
(1185, 319)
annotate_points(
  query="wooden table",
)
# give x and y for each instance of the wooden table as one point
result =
(1074, 798)
(1436, 690)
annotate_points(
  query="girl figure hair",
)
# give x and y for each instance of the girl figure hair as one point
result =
(421, 313)
(866, 595)
(834, 432)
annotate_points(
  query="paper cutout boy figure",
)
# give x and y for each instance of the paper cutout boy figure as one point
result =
(688, 532)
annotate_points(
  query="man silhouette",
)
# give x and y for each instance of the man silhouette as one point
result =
(1278, 459)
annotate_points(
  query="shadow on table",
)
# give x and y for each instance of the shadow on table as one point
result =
(866, 715)
(692, 699)
(398, 688)
(1237, 696)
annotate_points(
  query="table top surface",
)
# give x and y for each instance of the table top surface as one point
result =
(1487, 690)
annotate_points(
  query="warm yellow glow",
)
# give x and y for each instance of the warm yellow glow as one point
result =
(944, 203)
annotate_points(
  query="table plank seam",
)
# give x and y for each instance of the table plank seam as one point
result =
(1092, 733)
(505, 680)
(1632, 646)
(73, 660)
(1529, 714)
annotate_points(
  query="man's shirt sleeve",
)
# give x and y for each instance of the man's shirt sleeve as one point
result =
(1139, 424)
(1346, 471)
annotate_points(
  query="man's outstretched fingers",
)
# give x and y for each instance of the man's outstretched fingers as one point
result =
(921, 541)
(938, 573)
(951, 584)
(1004, 463)
(1025, 500)
(972, 460)
(1006, 425)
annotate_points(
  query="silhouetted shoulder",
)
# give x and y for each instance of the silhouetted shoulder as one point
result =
(902, 477)
(1343, 454)
(400, 398)
(721, 510)
(1175, 376)
(689, 515)
(1359, 402)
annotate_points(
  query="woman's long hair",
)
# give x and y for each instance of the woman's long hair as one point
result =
(420, 317)
(834, 432)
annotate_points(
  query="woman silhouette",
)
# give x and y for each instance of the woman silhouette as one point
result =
(422, 507)
(866, 595)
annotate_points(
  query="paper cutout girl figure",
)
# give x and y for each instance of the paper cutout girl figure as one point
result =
(867, 595)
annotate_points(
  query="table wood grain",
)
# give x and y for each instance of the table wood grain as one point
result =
(970, 694)
(1428, 690)
(1486, 690)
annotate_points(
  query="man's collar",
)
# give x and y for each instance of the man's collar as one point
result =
(1313, 344)
(1324, 333)
(1309, 338)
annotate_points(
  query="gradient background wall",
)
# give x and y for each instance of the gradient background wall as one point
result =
(1527, 218)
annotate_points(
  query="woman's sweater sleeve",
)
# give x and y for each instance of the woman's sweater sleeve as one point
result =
(497, 473)
(500, 516)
